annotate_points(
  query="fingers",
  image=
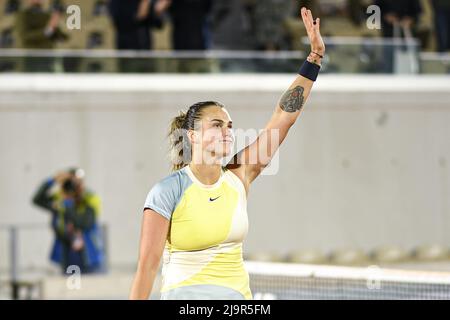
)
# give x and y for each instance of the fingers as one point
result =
(303, 14)
(306, 16)
(308, 19)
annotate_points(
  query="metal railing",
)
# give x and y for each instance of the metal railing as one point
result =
(15, 281)
(344, 55)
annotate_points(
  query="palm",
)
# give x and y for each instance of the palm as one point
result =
(313, 31)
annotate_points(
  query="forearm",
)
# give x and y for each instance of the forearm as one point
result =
(289, 107)
(143, 284)
(41, 197)
(293, 100)
(143, 9)
(291, 103)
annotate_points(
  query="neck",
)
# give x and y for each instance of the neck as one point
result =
(206, 173)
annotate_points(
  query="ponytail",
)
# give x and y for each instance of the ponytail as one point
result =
(177, 141)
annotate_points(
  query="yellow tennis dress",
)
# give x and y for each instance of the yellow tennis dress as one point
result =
(203, 253)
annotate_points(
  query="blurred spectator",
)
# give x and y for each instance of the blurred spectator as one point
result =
(230, 18)
(357, 11)
(269, 21)
(343, 17)
(442, 24)
(133, 21)
(402, 12)
(397, 17)
(74, 221)
(12, 6)
(38, 29)
(191, 26)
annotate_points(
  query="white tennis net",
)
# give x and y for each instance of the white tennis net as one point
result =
(285, 281)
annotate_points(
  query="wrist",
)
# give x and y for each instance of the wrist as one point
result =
(314, 58)
(320, 51)
(309, 70)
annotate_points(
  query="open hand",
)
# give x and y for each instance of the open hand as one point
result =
(313, 30)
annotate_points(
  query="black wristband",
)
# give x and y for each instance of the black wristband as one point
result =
(309, 70)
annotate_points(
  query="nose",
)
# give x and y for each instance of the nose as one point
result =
(227, 133)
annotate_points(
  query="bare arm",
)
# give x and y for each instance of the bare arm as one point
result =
(143, 9)
(153, 238)
(256, 156)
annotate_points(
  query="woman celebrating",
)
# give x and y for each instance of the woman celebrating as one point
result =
(196, 218)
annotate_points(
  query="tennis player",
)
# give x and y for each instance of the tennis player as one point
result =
(196, 217)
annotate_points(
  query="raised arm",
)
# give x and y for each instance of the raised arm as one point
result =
(250, 161)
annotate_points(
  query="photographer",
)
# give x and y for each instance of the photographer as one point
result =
(74, 220)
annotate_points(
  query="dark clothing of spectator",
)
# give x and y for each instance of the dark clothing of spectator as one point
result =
(269, 22)
(401, 9)
(442, 24)
(231, 18)
(132, 34)
(191, 29)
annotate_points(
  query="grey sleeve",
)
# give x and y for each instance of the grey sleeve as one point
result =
(163, 197)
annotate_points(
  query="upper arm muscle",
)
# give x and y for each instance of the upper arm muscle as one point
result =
(154, 233)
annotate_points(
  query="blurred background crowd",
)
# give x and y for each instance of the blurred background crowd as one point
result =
(210, 24)
(172, 25)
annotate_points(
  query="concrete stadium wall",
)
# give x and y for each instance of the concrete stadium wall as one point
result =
(367, 163)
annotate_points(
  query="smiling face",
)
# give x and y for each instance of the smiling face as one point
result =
(215, 139)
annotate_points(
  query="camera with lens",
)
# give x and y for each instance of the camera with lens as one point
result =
(73, 180)
(69, 186)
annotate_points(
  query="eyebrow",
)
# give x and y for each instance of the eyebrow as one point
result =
(221, 121)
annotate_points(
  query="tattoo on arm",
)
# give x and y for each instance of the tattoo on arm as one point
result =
(293, 100)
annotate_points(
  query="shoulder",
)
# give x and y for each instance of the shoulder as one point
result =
(92, 198)
(174, 182)
(164, 196)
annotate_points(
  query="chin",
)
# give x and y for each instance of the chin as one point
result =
(224, 151)
(226, 154)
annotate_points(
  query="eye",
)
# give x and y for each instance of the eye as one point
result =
(217, 125)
